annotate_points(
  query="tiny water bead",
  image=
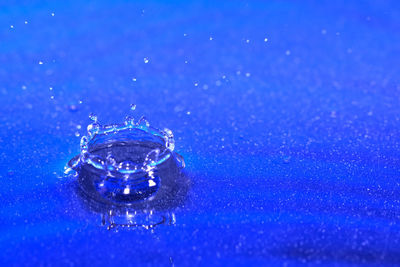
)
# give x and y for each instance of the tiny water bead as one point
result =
(123, 163)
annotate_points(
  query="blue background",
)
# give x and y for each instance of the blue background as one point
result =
(291, 145)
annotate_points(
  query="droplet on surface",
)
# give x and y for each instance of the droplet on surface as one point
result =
(146, 60)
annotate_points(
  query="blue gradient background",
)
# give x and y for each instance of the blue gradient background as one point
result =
(296, 162)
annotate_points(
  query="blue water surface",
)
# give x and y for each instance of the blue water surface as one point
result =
(286, 112)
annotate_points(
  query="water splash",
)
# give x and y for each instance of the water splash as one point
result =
(119, 163)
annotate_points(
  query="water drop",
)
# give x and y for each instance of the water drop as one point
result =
(93, 117)
(129, 120)
(265, 39)
(93, 129)
(72, 107)
(143, 122)
(133, 107)
(146, 60)
(40, 62)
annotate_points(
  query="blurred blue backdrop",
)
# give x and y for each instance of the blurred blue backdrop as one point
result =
(287, 113)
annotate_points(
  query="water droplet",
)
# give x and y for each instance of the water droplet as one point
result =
(12, 26)
(247, 41)
(265, 39)
(93, 117)
(133, 107)
(129, 120)
(211, 38)
(134, 79)
(52, 14)
(143, 122)
(26, 22)
(72, 107)
(40, 62)
(93, 128)
(146, 60)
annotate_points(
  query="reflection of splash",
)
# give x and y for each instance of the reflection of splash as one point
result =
(148, 213)
(134, 219)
